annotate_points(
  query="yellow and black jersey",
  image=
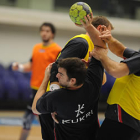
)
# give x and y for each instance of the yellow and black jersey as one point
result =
(124, 98)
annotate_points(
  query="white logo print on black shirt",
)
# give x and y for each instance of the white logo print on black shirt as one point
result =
(79, 112)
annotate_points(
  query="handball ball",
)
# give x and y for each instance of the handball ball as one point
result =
(78, 11)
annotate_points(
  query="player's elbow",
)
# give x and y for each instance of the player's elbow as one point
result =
(104, 79)
(114, 72)
(119, 71)
(34, 110)
(116, 75)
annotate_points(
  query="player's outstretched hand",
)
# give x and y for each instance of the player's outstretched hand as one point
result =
(15, 66)
(99, 53)
(48, 70)
(105, 34)
(54, 118)
(88, 21)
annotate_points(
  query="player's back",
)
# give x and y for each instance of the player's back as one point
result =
(77, 113)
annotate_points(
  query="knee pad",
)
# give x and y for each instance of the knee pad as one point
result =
(27, 119)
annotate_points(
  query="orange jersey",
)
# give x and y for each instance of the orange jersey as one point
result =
(41, 58)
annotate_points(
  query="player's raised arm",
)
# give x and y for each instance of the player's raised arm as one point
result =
(115, 69)
(92, 31)
(26, 67)
(114, 45)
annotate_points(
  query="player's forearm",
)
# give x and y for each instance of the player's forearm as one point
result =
(116, 47)
(94, 35)
(111, 66)
(27, 67)
(40, 92)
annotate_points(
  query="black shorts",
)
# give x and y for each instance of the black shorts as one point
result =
(32, 97)
(113, 130)
(47, 126)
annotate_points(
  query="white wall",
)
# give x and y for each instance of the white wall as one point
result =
(16, 42)
(19, 32)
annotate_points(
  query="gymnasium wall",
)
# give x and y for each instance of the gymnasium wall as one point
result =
(19, 32)
(17, 42)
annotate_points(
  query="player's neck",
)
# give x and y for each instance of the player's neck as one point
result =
(87, 33)
(48, 43)
(75, 87)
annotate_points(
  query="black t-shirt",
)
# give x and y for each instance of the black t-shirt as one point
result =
(76, 109)
(133, 63)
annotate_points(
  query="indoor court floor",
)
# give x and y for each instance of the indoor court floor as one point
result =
(11, 125)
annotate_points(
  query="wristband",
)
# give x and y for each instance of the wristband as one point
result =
(54, 87)
(20, 68)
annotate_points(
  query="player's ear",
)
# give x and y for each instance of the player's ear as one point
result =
(73, 81)
(101, 28)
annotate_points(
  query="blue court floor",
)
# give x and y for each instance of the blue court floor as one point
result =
(14, 118)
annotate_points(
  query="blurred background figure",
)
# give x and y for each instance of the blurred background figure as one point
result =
(43, 54)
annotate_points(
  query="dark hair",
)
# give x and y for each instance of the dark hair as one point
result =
(101, 20)
(49, 25)
(75, 68)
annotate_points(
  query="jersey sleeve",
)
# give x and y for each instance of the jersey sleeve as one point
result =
(133, 62)
(95, 72)
(44, 103)
(129, 53)
(77, 47)
(30, 60)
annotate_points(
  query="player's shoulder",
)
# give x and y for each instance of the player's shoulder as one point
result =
(79, 40)
(55, 94)
(57, 46)
(37, 45)
(59, 90)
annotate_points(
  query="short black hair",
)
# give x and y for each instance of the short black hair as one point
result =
(75, 68)
(49, 25)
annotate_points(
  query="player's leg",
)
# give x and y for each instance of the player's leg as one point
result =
(24, 134)
(47, 126)
(113, 130)
(27, 122)
(28, 118)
